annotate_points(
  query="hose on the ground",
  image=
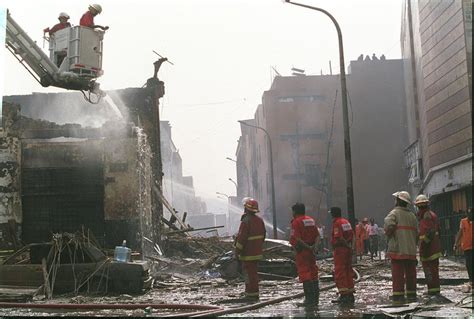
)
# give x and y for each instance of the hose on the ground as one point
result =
(215, 313)
(126, 306)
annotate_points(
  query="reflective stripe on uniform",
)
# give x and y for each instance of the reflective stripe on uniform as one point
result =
(434, 290)
(406, 228)
(398, 293)
(432, 257)
(250, 258)
(425, 238)
(238, 245)
(401, 256)
(410, 292)
(252, 294)
(345, 290)
(255, 237)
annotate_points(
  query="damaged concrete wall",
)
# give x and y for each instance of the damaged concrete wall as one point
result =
(10, 202)
(62, 187)
(127, 189)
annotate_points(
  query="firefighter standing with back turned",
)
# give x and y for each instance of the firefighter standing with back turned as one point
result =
(249, 246)
(342, 236)
(430, 248)
(400, 228)
(304, 238)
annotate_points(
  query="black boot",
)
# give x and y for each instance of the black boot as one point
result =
(309, 295)
(341, 299)
(316, 292)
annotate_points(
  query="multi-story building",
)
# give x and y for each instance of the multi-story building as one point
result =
(436, 39)
(303, 117)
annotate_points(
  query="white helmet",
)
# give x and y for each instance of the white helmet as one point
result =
(421, 199)
(245, 199)
(96, 7)
(403, 195)
(63, 15)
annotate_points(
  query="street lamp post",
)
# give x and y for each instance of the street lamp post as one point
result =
(236, 186)
(347, 138)
(228, 208)
(275, 232)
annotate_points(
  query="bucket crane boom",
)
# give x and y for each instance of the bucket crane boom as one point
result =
(75, 59)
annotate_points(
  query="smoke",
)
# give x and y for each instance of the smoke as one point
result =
(71, 108)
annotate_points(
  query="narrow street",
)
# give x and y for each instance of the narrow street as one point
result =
(236, 158)
(186, 287)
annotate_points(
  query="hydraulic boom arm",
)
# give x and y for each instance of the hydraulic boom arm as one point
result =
(76, 75)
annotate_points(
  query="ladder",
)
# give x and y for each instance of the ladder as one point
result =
(27, 52)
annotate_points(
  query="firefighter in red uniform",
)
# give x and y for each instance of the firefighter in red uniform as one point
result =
(63, 23)
(304, 239)
(342, 236)
(430, 247)
(248, 246)
(87, 19)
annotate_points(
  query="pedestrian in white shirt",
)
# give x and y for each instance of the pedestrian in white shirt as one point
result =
(373, 238)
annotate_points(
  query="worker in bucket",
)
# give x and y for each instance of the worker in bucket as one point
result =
(249, 247)
(87, 19)
(401, 232)
(63, 24)
(464, 241)
(342, 237)
(429, 244)
(304, 239)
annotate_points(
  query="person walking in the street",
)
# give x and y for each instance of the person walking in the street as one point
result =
(365, 222)
(464, 241)
(360, 234)
(373, 238)
(400, 228)
(304, 239)
(342, 236)
(430, 247)
(248, 247)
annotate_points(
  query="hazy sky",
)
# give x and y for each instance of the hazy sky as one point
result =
(223, 51)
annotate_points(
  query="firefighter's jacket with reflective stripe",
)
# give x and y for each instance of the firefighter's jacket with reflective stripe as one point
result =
(249, 241)
(430, 248)
(402, 242)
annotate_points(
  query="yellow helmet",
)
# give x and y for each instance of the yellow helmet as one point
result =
(421, 199)
(403, 195)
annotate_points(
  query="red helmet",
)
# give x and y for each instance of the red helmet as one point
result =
(251, 205)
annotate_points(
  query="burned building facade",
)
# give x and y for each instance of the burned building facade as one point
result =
(95, 177)
(303, 117)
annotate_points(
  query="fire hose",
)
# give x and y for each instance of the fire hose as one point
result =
(215, 313)
(204, 310)
(126, 306)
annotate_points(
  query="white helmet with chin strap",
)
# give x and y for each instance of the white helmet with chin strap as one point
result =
(96, 7)
(63, 15)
